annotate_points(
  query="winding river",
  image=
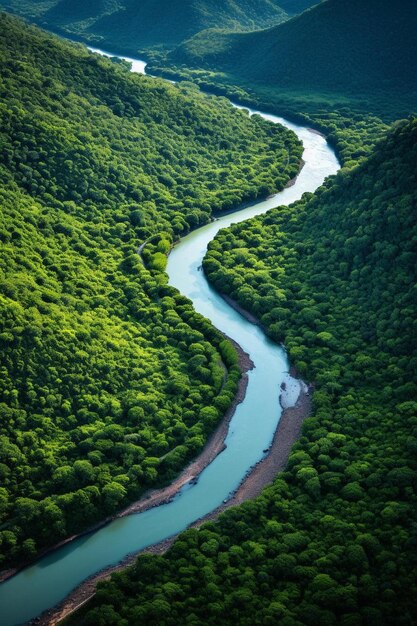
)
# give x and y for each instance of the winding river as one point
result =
(50, 579)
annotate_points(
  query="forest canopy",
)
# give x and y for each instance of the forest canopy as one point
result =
(349, 47)
(129, 25)
(332, 540)
(106, 371)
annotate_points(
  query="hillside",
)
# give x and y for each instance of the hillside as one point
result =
(348, 47)
(167, 23)
(109, 380)
(332, 541)
(130, 25)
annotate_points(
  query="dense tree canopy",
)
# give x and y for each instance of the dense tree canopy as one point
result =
(130, 25)
(347, 47)
(342, 66)
(105, 369)
(333, 539)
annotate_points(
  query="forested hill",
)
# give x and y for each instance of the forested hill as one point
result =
(168, 22)
(130, 25)
(332, 541)
(109, 380)
(344, 46)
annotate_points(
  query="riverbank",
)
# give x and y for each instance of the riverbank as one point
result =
(214, 446)
(152, 498)
(286, 434)
(292, 181)
(243, 312)
(261, 475)
(258, 477)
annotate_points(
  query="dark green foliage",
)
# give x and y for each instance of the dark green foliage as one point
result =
(355, 236)
(165, 23)
(175, 155)
(333, 540)
(345, 47)
(130, 25)
(97, 384)
(328, 68)
(348, 124)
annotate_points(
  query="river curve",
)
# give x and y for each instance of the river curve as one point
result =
(251, 430)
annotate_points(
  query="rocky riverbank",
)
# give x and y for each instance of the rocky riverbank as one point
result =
(261, 475)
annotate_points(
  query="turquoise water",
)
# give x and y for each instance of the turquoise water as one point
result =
(251, 430)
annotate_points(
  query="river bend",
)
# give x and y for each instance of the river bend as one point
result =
(251, 430)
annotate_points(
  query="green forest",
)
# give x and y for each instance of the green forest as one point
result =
(360, 50)
(345, 67)
(110, 382)
(333, 539)
(131, 25)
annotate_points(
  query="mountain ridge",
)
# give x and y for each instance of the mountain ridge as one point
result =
(329, 47)
(136, 24)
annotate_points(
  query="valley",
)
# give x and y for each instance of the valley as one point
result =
(115, 368)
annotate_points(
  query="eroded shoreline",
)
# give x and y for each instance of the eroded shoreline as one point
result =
(161, 495)
(214, 446)
(258, 477)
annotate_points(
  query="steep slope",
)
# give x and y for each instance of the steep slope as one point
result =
(344, 46)
(167, 23)
(332, 541)
(130, 25)
(109, 380)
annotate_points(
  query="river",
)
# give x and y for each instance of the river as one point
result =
(251, 430)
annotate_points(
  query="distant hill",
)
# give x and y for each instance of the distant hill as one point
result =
(166, 22)
(344, 46)
(132, 24)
